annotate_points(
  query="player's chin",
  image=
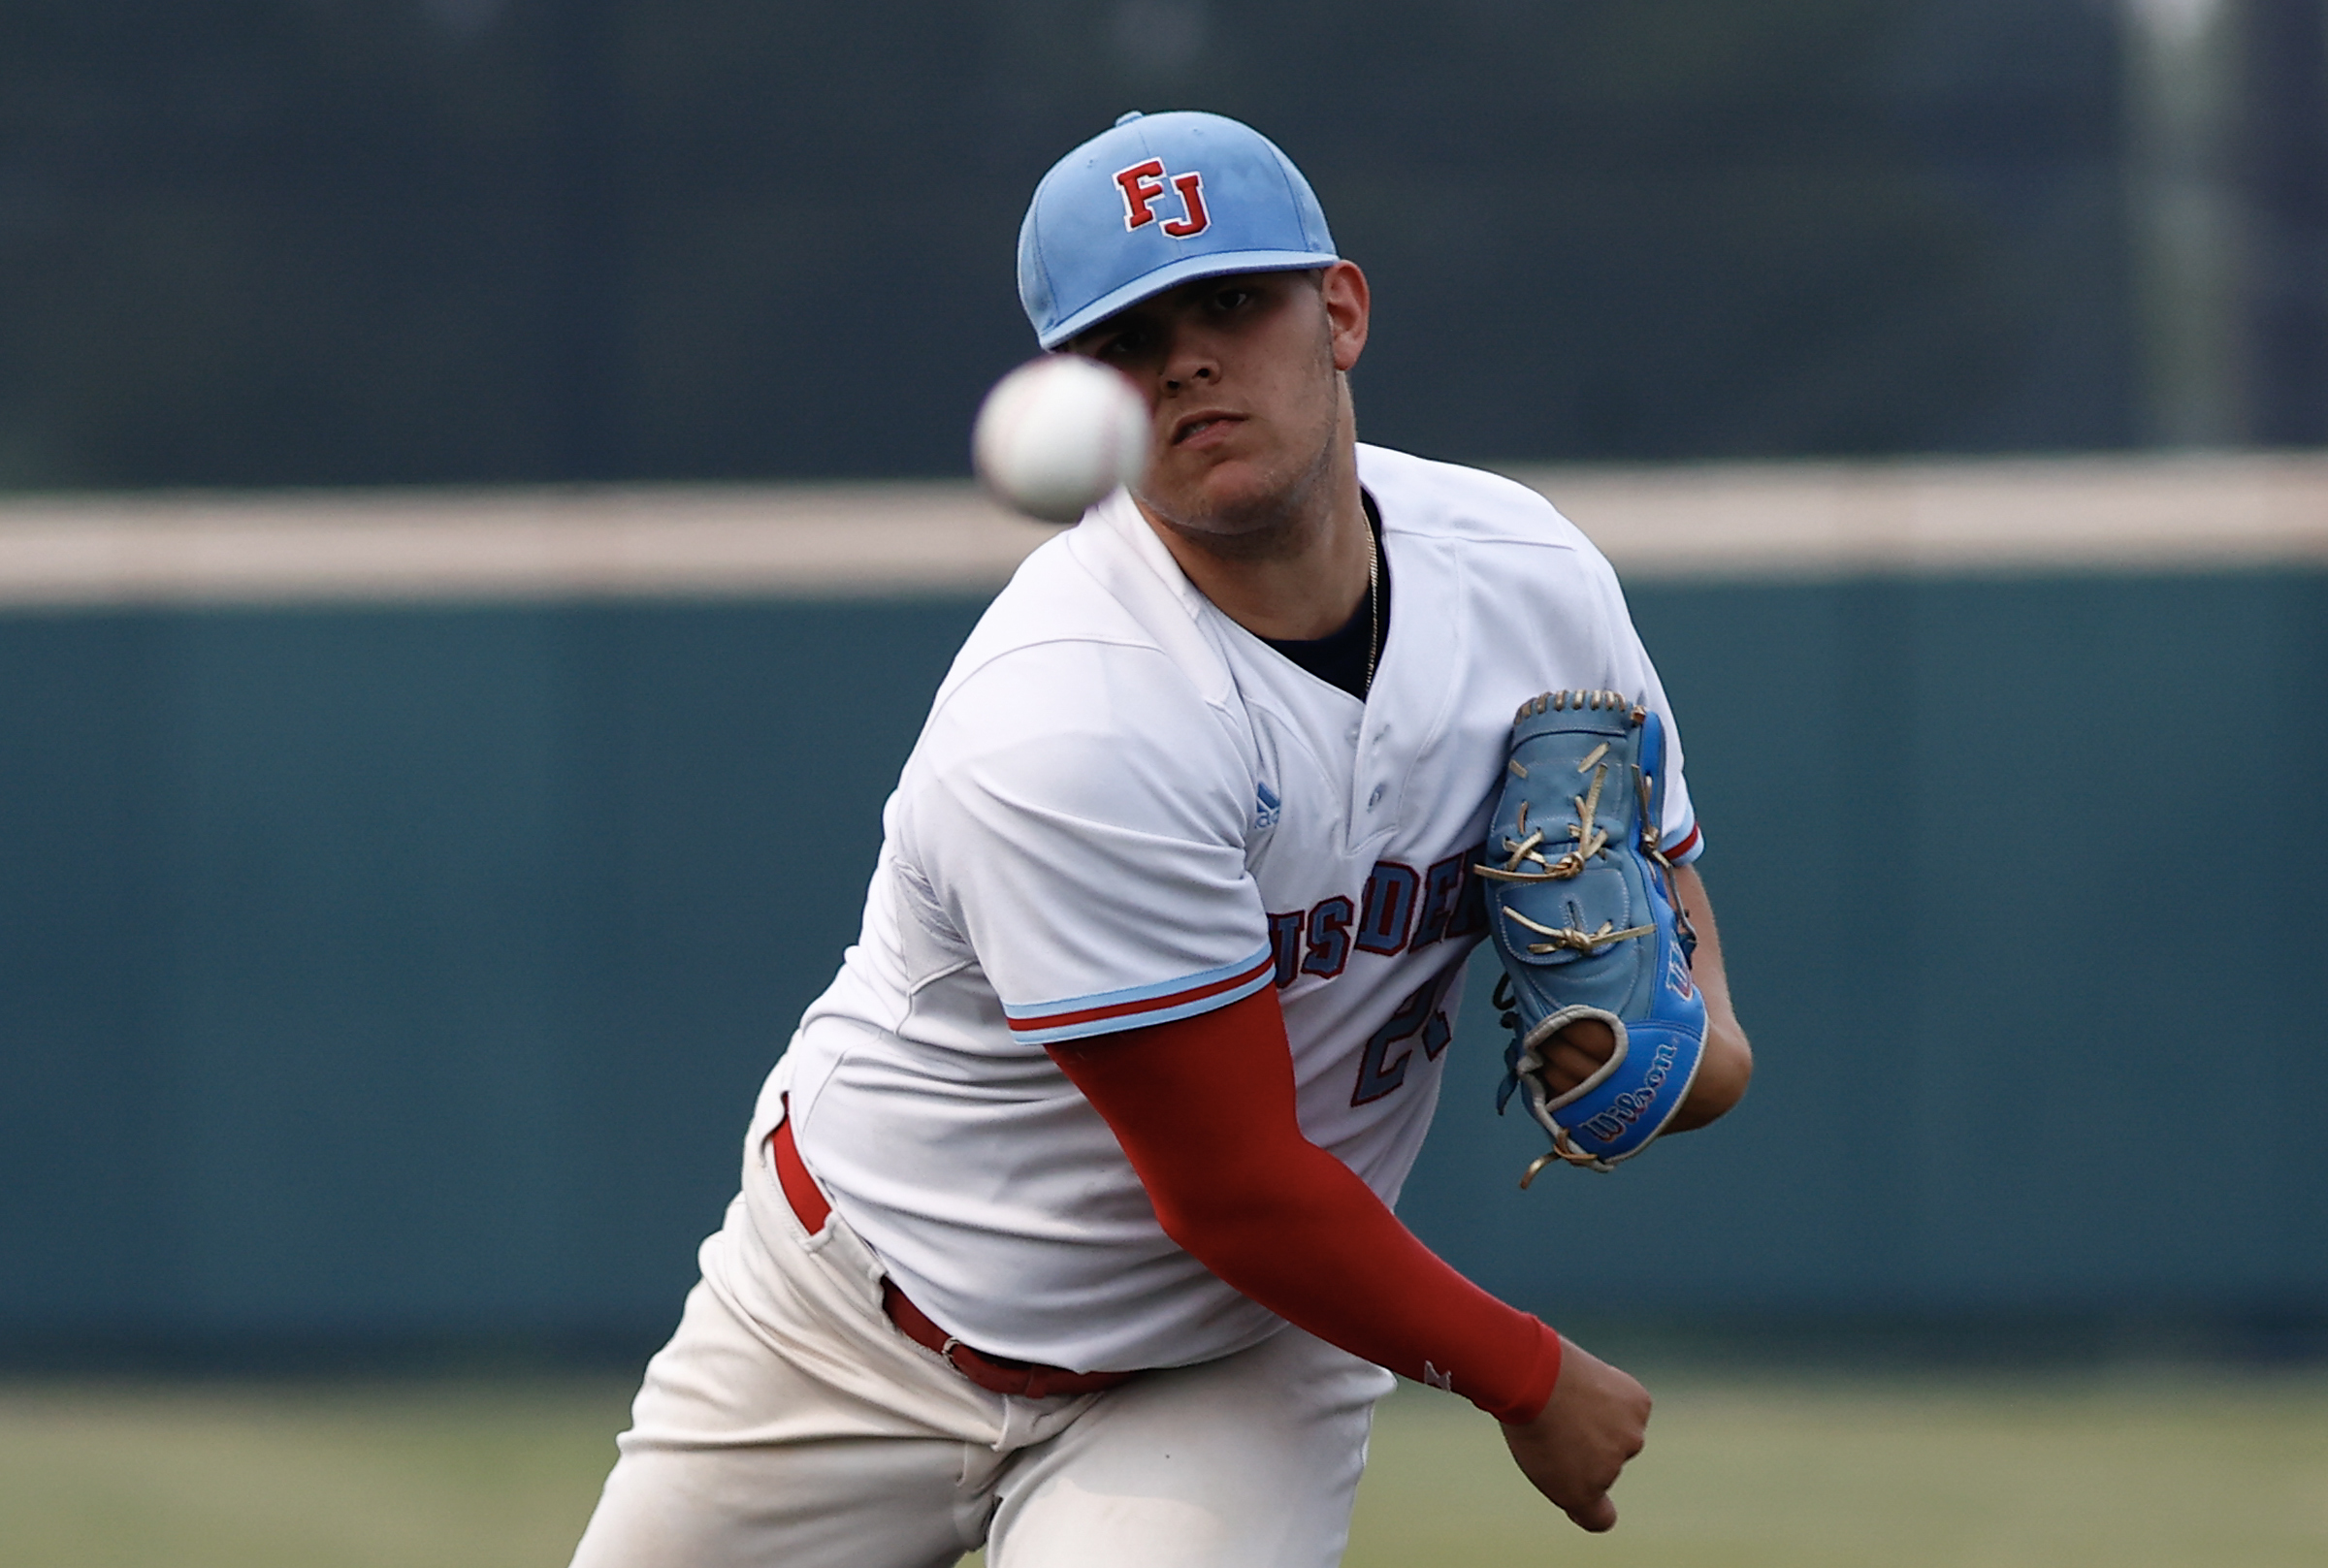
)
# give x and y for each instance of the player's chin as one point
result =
(1218, 489)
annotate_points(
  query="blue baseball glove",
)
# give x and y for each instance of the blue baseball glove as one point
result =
(1582, 909)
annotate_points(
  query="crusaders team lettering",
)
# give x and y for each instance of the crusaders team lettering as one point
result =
(1400, 911)
(1144, 183)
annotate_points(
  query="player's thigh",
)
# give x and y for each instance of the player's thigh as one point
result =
(735, 1458)
(1249, 1460)
(879, 1502)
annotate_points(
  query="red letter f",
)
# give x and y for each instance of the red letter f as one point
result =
(1143, 183)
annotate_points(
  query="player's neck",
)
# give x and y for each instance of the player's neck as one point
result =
(1303, 577)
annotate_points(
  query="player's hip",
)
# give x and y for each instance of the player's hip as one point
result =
(815, 1300)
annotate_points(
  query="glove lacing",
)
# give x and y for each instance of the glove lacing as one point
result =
(1591, 839)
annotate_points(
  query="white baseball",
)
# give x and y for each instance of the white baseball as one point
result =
(1059, 434)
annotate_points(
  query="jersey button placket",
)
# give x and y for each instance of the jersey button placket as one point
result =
(1377, 746)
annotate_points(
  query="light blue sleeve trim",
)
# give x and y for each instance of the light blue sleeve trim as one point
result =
(1121, 1022)
(1137, 993)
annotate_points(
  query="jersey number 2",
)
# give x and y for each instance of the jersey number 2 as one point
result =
(1378, 1072)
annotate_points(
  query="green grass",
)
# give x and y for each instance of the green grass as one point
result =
(2113, 1473)
(261, 1476)
(2126, 1471)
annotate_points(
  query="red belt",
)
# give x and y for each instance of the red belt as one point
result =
(996, 1374)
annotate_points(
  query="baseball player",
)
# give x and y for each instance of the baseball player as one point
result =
(1066, 1219)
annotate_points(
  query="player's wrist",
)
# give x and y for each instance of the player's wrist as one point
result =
(1534, 1390)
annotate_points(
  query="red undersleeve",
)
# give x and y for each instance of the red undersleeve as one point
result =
(1204, 1110)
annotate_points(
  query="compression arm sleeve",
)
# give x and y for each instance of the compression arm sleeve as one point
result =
(1204, 1110)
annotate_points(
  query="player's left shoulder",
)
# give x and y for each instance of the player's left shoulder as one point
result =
(1464, 506)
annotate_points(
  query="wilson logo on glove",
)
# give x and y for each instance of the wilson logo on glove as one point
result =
(1677, 973)
(1628, 1107)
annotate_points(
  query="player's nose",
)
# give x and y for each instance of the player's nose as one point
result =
(1189, 361)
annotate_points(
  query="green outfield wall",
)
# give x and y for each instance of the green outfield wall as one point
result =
(395, 975)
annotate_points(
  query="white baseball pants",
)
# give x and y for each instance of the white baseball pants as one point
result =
(788, 1423)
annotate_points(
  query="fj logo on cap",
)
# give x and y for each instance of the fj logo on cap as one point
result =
(1144, 183)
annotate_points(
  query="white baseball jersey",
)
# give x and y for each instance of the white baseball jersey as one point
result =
(1126, 808)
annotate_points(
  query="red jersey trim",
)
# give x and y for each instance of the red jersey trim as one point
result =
(1145, 1009)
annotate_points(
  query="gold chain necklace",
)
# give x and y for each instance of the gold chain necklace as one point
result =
(1374, 602)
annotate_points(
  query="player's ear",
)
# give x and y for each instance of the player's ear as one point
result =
(1342, 288)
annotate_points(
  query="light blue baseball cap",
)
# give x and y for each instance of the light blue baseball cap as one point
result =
(1153, 201)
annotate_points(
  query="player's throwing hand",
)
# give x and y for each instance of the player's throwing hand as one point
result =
(1596, 1421)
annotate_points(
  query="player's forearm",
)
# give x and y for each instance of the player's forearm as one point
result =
(1205, 1112)
(1728, 1066)
(1320, 1250)
(1722, 1074)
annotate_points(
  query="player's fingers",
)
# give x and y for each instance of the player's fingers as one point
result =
(1576, 1053)
(1623, 1449)
(1597, 1516)
(1592, 1038)
(1567, 1066)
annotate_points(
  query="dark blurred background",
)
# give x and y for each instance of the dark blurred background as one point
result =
(312, 241)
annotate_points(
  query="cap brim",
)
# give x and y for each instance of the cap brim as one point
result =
(1171, 275)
